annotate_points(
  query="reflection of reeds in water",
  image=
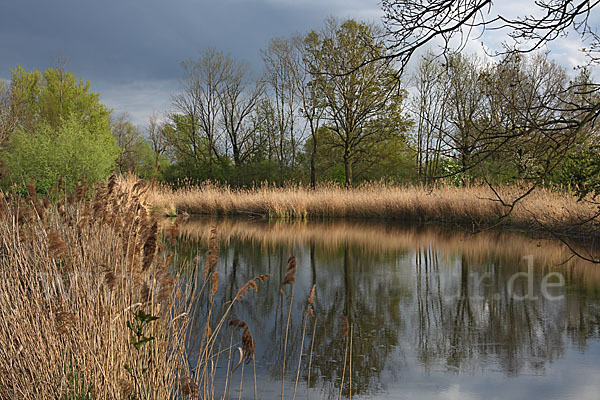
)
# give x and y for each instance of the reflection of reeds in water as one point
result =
(379, 237)
(464, 205)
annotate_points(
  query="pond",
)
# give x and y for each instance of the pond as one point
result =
(404, 312)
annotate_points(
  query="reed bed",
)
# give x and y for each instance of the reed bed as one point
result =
(89, 309)
(472, 206)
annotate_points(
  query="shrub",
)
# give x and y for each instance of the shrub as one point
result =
(47, 154)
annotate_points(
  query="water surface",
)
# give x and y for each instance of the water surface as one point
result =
(434, 313)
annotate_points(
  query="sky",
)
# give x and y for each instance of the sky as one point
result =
(131, 50)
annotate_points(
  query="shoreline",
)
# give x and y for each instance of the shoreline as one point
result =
(469, 208)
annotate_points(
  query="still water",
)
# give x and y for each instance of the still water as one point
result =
(433, 313)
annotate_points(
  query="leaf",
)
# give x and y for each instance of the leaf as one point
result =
(143, 317)
(141, 342)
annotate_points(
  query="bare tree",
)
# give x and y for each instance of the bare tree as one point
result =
(7, 117)
(282, 67)
(412, 24)
(238, 100)
(187, 105)
(429, 107)
(213, 69)
(308, 86)
(127, 137)
(158, 137)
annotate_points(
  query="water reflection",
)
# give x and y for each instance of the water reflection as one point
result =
(427, 306)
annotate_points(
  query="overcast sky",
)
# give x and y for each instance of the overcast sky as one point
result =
(130, 50)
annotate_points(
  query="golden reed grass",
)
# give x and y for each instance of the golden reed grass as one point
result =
(473, 206)
(90, 306)
(75, 276)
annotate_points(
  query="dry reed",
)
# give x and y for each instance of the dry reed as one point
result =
(472, 206)
(88, 307)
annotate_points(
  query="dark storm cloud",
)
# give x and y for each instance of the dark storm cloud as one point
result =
(143, 39)
(130, 50)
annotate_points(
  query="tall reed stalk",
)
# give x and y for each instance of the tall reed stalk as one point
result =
(289, 279)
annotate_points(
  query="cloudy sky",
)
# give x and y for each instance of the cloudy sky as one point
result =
(130, 50)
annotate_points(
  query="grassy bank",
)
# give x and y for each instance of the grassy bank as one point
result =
(474, 206)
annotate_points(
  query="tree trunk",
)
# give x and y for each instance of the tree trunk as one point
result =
(313, 172)
(348, 169)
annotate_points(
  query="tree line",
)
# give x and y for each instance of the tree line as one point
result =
(335, 104)
(321, 110)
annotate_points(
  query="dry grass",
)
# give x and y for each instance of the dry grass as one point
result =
(471, 206)
(89, 308)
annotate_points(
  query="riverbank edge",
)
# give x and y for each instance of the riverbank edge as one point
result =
(471, 209)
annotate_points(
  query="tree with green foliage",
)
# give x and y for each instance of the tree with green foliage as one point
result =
(48, 154)
(358, 85)
(58, 127)
(53, 96)
(389, 159)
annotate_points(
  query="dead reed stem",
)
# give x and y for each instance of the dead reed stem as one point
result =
(254, 373)
(344, 369)
(344, 335)
(241, 381)
(350, 366)
(312, 343)
(300, 356)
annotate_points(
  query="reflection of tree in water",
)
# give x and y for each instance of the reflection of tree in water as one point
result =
(399, 302)
(466, 325)
(369, 300)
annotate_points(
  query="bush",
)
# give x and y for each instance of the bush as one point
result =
(47, 154)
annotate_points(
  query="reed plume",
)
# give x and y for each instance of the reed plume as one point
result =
(290, 275)
(310, 309)
(150, 246)
(189, 388)
(252, 284)
(247, 339)
(345, 327)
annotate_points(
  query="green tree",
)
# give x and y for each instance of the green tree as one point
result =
(55, 127)
(52, 97)
(358, 84)
(46, 154)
